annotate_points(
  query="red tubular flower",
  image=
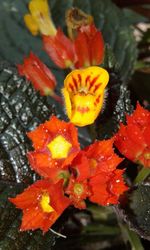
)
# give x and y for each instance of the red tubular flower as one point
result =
(101, 157)
(56, 145)
(107, 187)
(133, 139)
(39, 74)
(78, 192)
(42, 203)
(89, 46)
(60, 49)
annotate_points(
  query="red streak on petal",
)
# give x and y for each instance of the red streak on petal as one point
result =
(75, 83)
(96, 87)
(98, 99)
(71, 87)
(93, 81)
(83, 110)
(87, 79)
(79, 79)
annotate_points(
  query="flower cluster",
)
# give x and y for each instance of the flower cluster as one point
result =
(85, 49)
(71, 175)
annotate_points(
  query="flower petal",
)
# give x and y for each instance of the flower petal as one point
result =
(84, 94)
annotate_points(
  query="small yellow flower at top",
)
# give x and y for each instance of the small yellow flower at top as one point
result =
(39, 20)
(84, 94)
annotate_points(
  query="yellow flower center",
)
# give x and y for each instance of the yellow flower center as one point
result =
(147, 156)
(78, 189)
(59, 147)
(45, 203)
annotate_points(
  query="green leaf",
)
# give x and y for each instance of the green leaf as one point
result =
(16, 42)
(22, 109)
(136, 212)
(133, 17)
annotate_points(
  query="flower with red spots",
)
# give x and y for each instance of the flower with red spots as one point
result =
(84, 94)
(39, 74)
(133, 139)
(42, 203)
(56, 145)
(101, 157)
(89, 46)
(60, 49)
(106, 188)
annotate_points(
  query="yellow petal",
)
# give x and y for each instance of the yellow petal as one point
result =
(67, 102)
(84, 94)
(40, 13)
(31, 24)
(45, 203)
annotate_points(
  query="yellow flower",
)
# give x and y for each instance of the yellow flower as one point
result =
(84, 94)
(39, 20)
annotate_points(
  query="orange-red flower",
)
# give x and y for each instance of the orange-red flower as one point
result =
(106, 188)
(94, 175)
(56, 145)
(39, 74)
(42, 203)
(101, 157)
(60, 49)
(133, 139)
(89, 46)
(78, 191)
(80, 167)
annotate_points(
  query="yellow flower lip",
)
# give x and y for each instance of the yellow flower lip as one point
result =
(39, 19)
(84, 94)
(45, 203)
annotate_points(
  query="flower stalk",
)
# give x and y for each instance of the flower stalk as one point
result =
(142, 175)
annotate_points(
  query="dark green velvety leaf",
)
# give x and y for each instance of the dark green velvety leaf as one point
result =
(17, 42)
(21, 109)
(133, 17)
(136, 210)
(117, 103)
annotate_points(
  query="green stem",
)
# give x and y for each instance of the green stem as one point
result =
(142, 175)
(132, 237)
(129, 235)
(102, 229)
